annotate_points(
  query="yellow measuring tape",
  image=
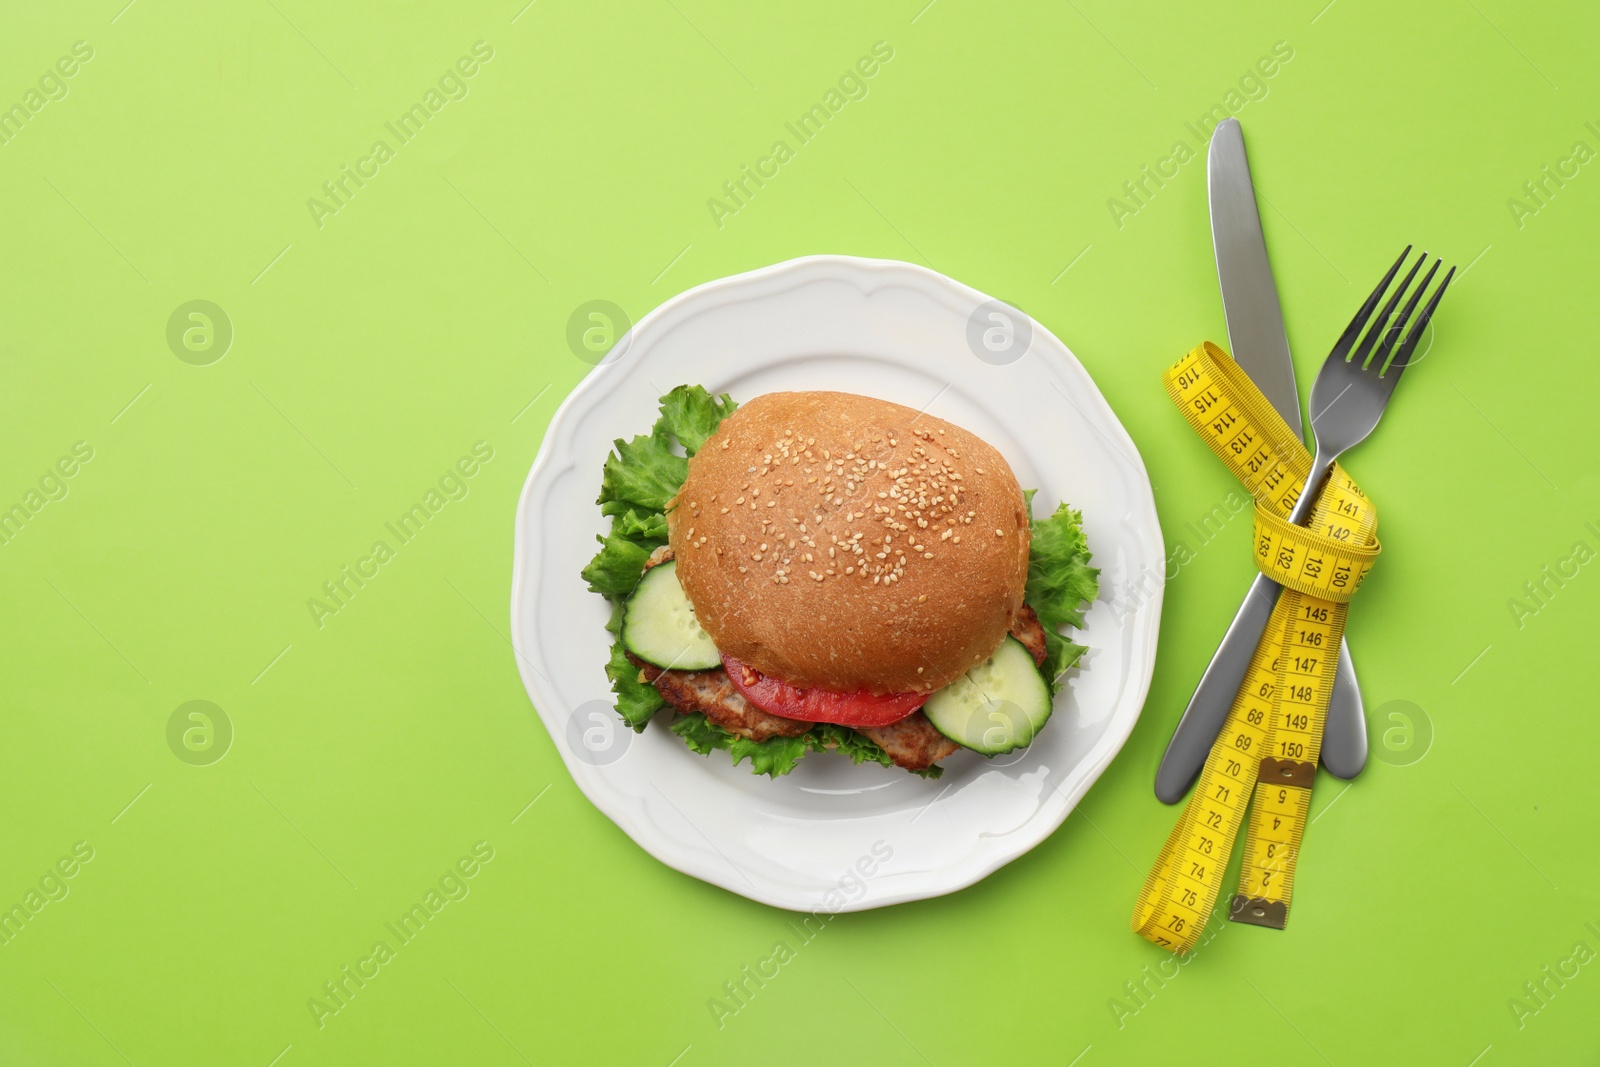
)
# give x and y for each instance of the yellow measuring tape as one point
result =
(1269, 746)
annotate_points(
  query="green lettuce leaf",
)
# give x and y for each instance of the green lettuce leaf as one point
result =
(773, 757)
(691, 414)
(700, 733)
(1060, 583)
(643, 473)
(638, 525)
(641, 476)
(616, 569)
(636, 700)
(859, 747)
(777, 756)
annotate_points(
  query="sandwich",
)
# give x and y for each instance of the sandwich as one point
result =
(822, 571)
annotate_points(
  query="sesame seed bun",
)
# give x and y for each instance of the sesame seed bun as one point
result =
(840, 542)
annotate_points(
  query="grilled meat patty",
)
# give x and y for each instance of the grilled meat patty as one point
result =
(712, 694)
(912, 743)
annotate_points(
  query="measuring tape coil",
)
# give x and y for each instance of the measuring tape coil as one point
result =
(1265, 758)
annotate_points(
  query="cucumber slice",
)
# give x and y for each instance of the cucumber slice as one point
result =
(997, 706)
(659, 625)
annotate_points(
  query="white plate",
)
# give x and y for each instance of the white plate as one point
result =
(833, 836)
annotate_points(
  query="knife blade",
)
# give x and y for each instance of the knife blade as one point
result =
(1256, 336)
(1260, 345)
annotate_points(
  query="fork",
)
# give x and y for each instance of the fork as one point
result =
(1347, 399)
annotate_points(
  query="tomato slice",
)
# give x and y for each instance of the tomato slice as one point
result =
(820, 705)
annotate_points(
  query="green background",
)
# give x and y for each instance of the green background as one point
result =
(430, 313)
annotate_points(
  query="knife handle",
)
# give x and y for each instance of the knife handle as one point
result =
(1344, 749)
(1208, 709)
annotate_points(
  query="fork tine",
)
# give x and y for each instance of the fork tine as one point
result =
(1398, 326)
(1352, 331)
(1359, 357)
(1403, 357)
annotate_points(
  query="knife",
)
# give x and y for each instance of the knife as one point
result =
(1260, 346)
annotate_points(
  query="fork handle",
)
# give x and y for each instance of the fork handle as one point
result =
(1208, 709)
(1344, 738)
(1344, 741)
